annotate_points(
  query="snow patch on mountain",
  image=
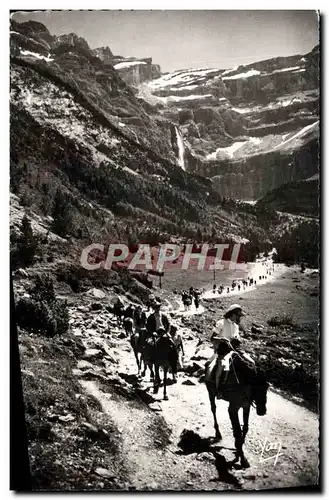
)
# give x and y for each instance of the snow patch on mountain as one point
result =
(227, 71)
(299, 134)
(230, 150)
(285, 69)
(186, 98)
(128, 64)
(247, 74)
(35, 54)
(181, 77)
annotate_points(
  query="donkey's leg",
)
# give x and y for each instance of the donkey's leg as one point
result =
(174, 366)
(246, 413)
(165, 371)
(137, 360)
(233, 411)
(156, 379)
(151, 371)
(212, 398)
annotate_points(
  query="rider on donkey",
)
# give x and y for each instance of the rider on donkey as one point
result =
(157, 322)
(226, 338)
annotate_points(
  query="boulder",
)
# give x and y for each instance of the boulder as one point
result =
(203, 353)
(205, 457)
(95, 292)
(104, 473)
(77, 332)
(93, 354)
(155, 407)
(83, 364)
(66, 418)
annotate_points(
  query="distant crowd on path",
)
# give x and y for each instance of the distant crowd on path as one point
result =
(243, 284)
(190, 296)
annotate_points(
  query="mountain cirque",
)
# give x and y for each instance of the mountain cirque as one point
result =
(249, 129)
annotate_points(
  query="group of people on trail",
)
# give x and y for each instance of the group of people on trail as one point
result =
(236, 284)
(230, 374)
(188, 297)
(153, 322)
(149, 322)
(145, 324)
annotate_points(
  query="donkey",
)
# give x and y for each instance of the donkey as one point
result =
(137, 339)
(243, 387)
(160, 352)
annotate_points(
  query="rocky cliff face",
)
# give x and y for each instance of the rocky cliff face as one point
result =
(249, 128)
(136, 71)
(91, 71)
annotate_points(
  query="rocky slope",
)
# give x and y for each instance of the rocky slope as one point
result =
(249, 128)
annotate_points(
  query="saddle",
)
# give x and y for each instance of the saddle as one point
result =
(219, 366)
(218, 369)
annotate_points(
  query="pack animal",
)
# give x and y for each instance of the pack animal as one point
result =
(243, 387)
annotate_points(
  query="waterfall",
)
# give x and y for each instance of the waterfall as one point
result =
(180, 145)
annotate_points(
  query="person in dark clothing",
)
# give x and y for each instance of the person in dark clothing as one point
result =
(157, 321)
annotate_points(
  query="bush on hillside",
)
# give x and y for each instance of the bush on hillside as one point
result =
(62, 215)
(25, 245)
(41, 312)
(280, 320)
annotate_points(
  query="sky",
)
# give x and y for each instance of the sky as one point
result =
(178, 39)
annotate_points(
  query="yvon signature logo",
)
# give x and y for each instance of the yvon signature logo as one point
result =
(269, 450)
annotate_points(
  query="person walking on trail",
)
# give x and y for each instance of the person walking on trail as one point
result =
(226, 335)
(178, 342)
(197, 295)
(157, 322)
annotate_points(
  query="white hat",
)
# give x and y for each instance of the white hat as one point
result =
(233, 307)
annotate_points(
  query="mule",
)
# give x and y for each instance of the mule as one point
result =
(160, 352)
(187, 302)
(128, 325)
(243, 387)
(137, 341)
(118, 311)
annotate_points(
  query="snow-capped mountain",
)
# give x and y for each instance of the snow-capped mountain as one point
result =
(249, 128)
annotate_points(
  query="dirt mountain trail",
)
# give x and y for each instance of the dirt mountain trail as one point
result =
(282, 446)
(290, 428)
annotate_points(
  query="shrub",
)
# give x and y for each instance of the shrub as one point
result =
(62, 214)
(43, 289)
(24, 245)
(280, 320)
(41, 312)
